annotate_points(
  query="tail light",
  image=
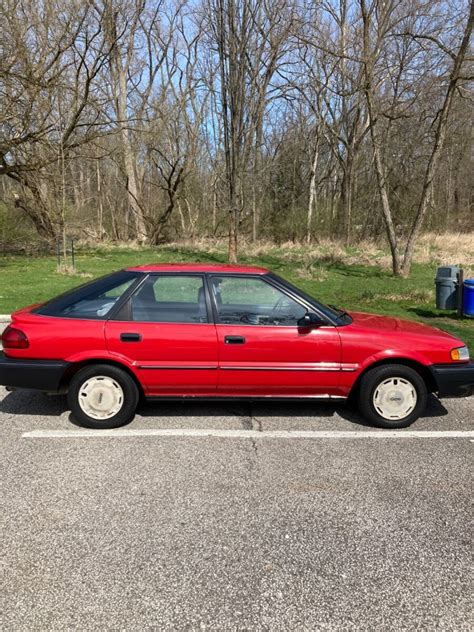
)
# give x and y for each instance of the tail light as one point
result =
(13, 338)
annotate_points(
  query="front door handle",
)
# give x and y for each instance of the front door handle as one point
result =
(234, 340)
(130, 337)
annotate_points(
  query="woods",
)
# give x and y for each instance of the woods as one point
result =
(284, 120)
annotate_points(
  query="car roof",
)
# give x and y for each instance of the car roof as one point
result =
(199, 267)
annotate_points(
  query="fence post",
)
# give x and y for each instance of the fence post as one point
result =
(460, 305)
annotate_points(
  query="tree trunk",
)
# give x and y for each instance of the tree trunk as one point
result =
(119, 72)
(214, 206)
(181, 218)
(256, 183)
(347, 189)
(233, 235)
(312, 193)
(128, 160)
(100, 208)
(41, 220)
(36, 209)
(376, 146)
(383, 193)
(254, 211)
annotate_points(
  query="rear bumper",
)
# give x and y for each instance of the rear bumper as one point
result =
(454, 380)
(44, 375)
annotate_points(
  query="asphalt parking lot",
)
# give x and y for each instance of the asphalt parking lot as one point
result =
(242, 530)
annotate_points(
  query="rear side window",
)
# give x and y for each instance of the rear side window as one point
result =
(170, 299)
(94, 300)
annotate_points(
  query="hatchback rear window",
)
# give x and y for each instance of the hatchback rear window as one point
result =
(94, 300)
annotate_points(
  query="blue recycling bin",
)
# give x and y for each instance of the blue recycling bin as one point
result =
(468, 297)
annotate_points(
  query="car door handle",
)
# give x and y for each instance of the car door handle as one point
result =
(234, 340)
(130, 337)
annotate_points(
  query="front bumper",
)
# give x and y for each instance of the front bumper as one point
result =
(454, 380)
(44, 375)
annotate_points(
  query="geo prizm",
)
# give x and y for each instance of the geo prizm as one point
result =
(218, 331)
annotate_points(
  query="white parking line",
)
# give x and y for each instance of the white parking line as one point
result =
(249, 434)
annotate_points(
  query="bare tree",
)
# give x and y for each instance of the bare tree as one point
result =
(455, 77)
(231, 27)
(121, 18)
(251, 38)
(49, 106)
(379, 20)
(282, 119)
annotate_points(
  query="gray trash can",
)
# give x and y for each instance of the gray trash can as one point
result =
(446, 287)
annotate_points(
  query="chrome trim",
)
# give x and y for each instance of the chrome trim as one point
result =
(279, 368)
(174, 367)
(256, 398)
(242, 368)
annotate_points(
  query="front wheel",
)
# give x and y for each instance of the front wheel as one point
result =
(392, 396)
(102, 396)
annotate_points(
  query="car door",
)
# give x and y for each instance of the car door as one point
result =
(262, 351)
(166, 331)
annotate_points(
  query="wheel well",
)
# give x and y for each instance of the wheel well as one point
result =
(76, 366)
(422, 370)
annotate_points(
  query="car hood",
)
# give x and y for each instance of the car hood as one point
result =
(396, 325)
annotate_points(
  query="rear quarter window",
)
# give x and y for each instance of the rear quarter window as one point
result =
(94, 300)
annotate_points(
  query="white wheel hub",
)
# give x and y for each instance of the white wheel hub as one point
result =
(101, 397)
(395, 398)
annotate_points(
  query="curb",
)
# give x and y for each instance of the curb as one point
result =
(4, 320)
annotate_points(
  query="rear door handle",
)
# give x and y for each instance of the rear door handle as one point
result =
(130, 337)
(234, 340)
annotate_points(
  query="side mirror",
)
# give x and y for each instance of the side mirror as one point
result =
(310, 319)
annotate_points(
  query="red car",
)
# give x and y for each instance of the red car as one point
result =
(203, 331)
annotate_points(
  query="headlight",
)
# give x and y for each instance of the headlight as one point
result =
(461, 353)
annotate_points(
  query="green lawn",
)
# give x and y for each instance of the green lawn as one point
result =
(352, 286)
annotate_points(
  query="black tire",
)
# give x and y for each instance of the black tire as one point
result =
(371, 381)
(128, 400)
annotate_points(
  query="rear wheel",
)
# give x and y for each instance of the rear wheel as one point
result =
(102, 396)
(392, 396)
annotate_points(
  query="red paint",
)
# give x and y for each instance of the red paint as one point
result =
(193, 359)
(191, 349)
(279, 361)
(214, 268)
(373, 338)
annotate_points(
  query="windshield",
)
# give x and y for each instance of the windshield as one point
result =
(335, 314)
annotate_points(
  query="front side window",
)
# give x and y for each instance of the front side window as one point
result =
(93, 300)
(252, 301)
(170, 299)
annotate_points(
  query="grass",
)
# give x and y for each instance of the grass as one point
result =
(356, 278)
